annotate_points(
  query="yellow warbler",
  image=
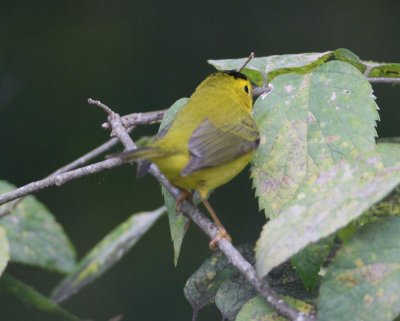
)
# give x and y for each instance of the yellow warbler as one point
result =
(210, 140)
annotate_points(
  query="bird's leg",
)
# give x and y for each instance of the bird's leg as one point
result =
(185, 195)
(222, 233)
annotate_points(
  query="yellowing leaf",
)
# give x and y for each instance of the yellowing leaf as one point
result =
(363, 281)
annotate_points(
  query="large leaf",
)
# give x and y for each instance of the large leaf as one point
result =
(276, 65)
(202, 286)
(178, 223)
(308, 123)
(106, 253)
(272, 66)
(337, 197)
(4, 250)
(34, 299)
(388, 206)
(346, 55)
(363, 281)
(232, 295)
(34, 236)
(256, 309)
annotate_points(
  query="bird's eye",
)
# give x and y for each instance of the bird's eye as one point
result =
(246, 89)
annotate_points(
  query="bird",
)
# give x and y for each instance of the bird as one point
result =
(209, 141)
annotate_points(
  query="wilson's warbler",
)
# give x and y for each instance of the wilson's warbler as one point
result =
(210, 140)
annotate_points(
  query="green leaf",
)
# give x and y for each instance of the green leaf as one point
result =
(388, 206)
(34, 236)
(34, 299)
(272, 66)
(4, 250)
(375, 69)
(308, 123)
(106, 253)
(337, 197)
(385, 70)
(172, 111)
(285, 280)
(178, 223)
(255, 76)
(231, 296)
(308, 262)
(363, 281)
(346, 55)
(256, 309)
(202, 286)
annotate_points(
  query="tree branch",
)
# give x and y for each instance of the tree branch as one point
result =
(90, 155)
(135, 119)
(187, 208)
(75, 164)
(59, 179)
(211, 231)
(382, 80)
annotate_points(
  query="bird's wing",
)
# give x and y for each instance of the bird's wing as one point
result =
(210, 146)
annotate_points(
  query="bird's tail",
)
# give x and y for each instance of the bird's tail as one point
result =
(147, 152)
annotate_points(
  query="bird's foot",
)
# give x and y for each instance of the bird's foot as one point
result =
(185, 196)
(222, 234)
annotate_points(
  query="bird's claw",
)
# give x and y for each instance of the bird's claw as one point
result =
(222, 234)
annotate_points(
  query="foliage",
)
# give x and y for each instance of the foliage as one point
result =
(106, 253)
(363, 281)
(34, 236)
(329, 192)
(32, 298)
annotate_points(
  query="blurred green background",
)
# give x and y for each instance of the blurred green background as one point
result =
(142, 56)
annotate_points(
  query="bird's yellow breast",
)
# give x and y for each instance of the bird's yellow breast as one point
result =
(221, 100)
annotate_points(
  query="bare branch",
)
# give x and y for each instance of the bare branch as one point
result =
(98, 103)
(233, 255)
(187, 208)
(115, 121)
(59, 179)
(90, 155)
(75, 164)
(384, 80)
(135, 119)
(211, 231)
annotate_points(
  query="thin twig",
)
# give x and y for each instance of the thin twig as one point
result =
(90, 155)
(115, 121)
(135, 119)
(60, 179)
(381, 80)
(211, 231)
(4, 211)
